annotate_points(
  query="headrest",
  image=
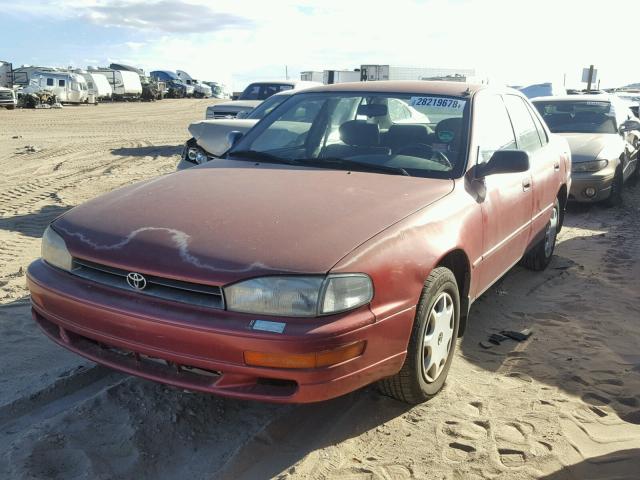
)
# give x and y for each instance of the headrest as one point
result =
(400, 133)
(448, 129)
(360, 133)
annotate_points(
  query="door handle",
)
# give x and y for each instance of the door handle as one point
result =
(526, 184)
(556, 166)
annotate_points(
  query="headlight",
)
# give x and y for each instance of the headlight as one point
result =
(593, 166)
(196, 155)
(297, 296)
(54, 250)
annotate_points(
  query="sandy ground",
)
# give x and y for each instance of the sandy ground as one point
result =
(563, 405)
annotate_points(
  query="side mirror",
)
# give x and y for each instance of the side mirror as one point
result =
(629, 125)
(233, 137)
(235, 97)
(504, 161)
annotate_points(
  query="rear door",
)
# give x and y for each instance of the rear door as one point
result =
(506, 199)
(543, 159)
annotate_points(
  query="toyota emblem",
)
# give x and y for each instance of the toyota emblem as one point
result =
(136, 281)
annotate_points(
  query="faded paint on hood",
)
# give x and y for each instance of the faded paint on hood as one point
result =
(236, 105)
(228, 220)
(585, 147)
(212, 134)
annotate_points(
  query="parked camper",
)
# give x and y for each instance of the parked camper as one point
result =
(6, 74)
(66, 86)
(200, 90)
(97, 85)
(125, 84)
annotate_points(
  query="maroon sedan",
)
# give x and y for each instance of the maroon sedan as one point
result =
(340, 242)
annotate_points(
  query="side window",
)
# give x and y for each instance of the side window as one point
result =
(49, 82)
(542, 134)
(494, 127)
(61, 83)
(527, 137)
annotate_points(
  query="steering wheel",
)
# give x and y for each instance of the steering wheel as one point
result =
(416, 149)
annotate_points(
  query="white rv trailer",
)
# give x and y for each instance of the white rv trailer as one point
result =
(68, 87)
(389, 72)
(199, 89)
(97, 84)
(125, 84)
(331, 76)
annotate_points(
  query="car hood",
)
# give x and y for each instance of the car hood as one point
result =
(212, 134)
(236, 105)
(585, 147)
(229, 219)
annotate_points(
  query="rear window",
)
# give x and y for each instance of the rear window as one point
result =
(262, 91)
(586, 116)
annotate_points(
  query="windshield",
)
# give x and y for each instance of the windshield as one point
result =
(416, 134)
(579, 116)
(267, 106)
(262, 91)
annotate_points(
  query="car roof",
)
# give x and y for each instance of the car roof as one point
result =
(405, 86)
(574, 98)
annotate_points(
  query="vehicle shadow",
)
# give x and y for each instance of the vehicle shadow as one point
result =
(311, 427)
(148, 151)
(621, 465)
(33, 224)
(579, 310)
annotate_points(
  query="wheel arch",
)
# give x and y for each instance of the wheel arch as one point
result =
(457, 261)
(563, 198)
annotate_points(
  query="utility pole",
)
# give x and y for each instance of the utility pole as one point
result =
(590, 78)
(286, 72)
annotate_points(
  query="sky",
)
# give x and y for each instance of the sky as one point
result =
(511, 42)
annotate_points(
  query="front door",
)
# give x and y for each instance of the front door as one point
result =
(506, 199)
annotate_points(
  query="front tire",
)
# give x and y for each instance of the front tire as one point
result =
(539, 257)
(432, 343)
(615, 198)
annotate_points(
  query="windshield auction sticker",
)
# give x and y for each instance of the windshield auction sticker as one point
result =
(439, 104)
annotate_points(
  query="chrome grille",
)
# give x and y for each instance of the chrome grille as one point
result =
(7, 95)
(159, 287)
(225, 114)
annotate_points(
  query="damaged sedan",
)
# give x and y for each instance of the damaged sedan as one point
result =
(210, 138)
(310, 262)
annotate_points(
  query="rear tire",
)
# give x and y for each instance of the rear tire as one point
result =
(539, 257)
(432, 343)
(615, 198)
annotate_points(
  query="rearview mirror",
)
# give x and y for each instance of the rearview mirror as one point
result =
(504, 161)
(233, 137)
(373, 110)
(629, 125)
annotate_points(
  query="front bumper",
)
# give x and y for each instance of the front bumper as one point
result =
(600, 181)
(203, 349)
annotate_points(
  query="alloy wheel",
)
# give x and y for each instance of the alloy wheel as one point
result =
(438, 337)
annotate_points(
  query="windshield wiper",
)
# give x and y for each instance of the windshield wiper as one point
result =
(345, 164)
(261, 157)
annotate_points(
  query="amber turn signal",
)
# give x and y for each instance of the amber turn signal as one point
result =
(305, 360)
